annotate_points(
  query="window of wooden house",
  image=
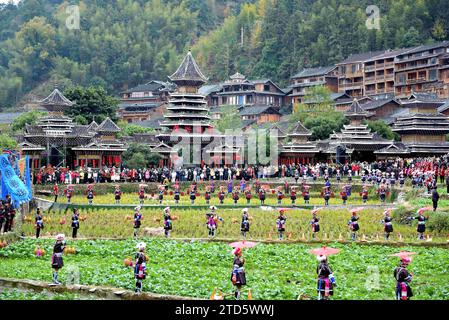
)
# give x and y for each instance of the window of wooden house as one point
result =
(266, 87)
(433, 74)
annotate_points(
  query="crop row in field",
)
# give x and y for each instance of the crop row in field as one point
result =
(191, 223)
(274, 271)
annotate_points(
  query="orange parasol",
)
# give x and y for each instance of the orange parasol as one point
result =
(403, 254)
(356, 209)
(324, 251)
(422, 210)
(243, 244)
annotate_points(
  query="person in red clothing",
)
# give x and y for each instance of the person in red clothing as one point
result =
(56, 191)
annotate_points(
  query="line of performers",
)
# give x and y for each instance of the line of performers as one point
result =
(327, 193)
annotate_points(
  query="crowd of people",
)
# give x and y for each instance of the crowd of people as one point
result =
(418, 169)
(7, 215)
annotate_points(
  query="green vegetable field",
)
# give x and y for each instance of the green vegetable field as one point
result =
(274, 271)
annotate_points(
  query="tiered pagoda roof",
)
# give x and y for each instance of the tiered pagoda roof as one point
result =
(422, 123)
(56, 102)
(300, 144)
(356, 112)
(188, 112)
(356, 137)
(188, 73)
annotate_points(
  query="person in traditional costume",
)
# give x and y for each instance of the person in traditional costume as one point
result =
(248, 195)
(56, 258)
(56, 191)
(364, 194)
(403, 278)
(244, 228)
(212, 186)
(192, 194)
(401, 179)
(388, 225)
(75, 222)
(280, 195)
(140, 266)
(211, 221)
(238, 277)
(2, 215)
(326, 193)
(315, 223)
(354, 225)
(90, 194)
(221, 194)
(435, 198)
(421, 228)
(326, 280)
(167, 222)
(117, 194)
(69, 193)
(382, 191)
(306, 194)
(137, 220)
(161, 193)
(141, 194)
(280, 224)
(262, 196)
(207, 194)
(39, 222)
(235, 195)
(177, 194)
(293, 194)
(344, 195)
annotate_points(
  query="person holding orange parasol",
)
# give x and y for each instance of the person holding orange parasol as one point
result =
(421, 222)
(354, 223)
(344, 195)
(117, 194)
(238, 276)
(280, 223)
(326, 280)
(403, 276)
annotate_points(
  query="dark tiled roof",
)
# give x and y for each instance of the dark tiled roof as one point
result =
(360, 57)
(426, 47)
(188, 71)
(444, 107)
(152, 86)
(208, 89)
(152, 123)
(389, 54)
(299, 129)
(355, 108)
(93, 126)
(370, 105)
(424, 96)
(108, 126)
(394, 148)
(254, 110)
(56, 98)
(310, 72)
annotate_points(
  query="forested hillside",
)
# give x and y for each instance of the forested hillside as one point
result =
(121, 43)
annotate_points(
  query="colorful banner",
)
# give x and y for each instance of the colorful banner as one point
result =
(11, 183)
(21, 164)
